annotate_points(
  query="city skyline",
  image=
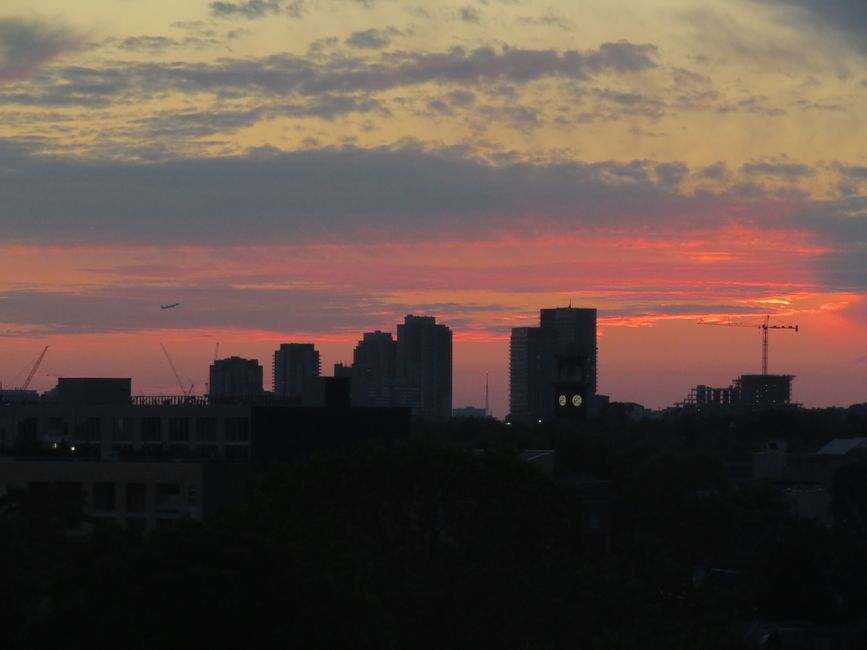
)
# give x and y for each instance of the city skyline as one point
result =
(309, 170)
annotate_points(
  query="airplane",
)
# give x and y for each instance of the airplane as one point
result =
(172, 306)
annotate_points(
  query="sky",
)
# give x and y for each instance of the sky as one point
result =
(308, 170)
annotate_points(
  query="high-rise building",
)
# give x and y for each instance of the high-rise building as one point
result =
(424, 366)
(292, 363)
(531, 373)
(235, 378)
(575, 335)
(547, 360)
(374, 370)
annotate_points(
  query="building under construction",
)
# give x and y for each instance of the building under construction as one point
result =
(747, 393)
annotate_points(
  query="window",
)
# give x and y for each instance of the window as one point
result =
(237, 429)
(27, 429)
(206, 429)
(207, 451)
(151, 430)
(179, 429)
(121, 429)
(57, 427)
(236, 452)
(136, 498)
(168, 498)
(104, 498)
(87, 430)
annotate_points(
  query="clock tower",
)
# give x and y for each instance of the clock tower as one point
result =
(570, 388)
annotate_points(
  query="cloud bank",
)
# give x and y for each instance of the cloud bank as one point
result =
(25, 45)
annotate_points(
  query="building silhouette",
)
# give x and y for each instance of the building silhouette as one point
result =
(293, 362)
(148, 461)
(549, 361)
(374, 370)
(235, 378)
(424, 367)
(746, 393)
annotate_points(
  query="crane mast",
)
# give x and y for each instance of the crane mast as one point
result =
(175, 372)
(35, 367)
(765, 327)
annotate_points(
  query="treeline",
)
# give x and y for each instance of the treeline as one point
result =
(448, 540)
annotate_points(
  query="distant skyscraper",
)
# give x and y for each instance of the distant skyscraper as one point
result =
(424, 366)
(235, 378)
(575, 332)
(374, 370)
(531, 373)
(292, 363)
(538, 356)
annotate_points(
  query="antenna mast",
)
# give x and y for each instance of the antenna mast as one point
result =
(487, 403)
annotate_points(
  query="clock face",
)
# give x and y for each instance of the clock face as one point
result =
(576, 400)
(562, 400)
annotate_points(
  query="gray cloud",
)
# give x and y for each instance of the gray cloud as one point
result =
(791, 171)
(469, 15)
(194, 124)
(328, 193)
(842, 225)
(548, 20)
(671, 174)
(283, 75)
(385, 194)
(461, 98)
(847, 17)
(716, 172)
(249, 9)
(158, 43)
(372, 39)
(130, 308)
(253, 9)
(27, 44)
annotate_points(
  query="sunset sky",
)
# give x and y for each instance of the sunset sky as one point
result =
(307, 170)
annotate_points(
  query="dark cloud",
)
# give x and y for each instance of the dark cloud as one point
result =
(252, 9)
(372, 39)
(842, 226)
(27, 44)
(461, 98)
(846, 17)
(548, 20)
(671, 173)
(194, 124)
(284, 75)
(249, 9)
(133, 308)
(819, 106)
(328, 193)
(391, 194)
(469, 15)
(754, 104)
(716, 172)
(522, 118)
(158, 43)
(791, 171)
(682, 76)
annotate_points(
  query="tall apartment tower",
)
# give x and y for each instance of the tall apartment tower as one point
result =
(538, 356)
(235, 378)
(531, 373)
(424, 366)
(374, 370)
(293, 362)
(575, 334)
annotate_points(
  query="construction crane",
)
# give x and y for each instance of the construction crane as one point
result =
(35, 367)
(175, 371)
(764, 327)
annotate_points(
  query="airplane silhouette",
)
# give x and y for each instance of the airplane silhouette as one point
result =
(172, 306)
